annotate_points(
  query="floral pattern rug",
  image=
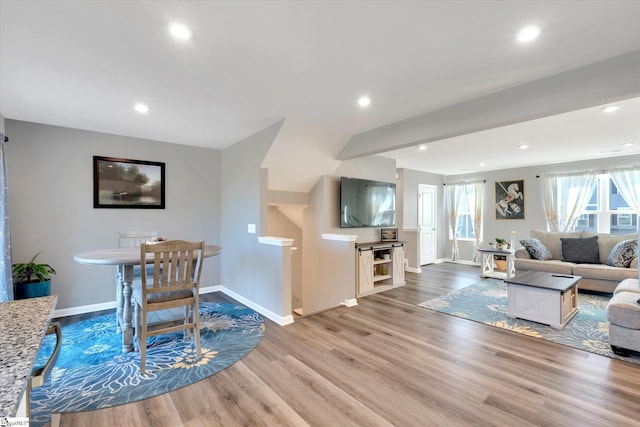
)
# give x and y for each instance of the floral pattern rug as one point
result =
(92, 373)
(486, 302)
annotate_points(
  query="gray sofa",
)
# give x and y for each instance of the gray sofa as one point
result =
(595, 277)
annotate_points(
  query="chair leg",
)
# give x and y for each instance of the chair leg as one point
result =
(136, 325)
(143, 341)
(196, 328)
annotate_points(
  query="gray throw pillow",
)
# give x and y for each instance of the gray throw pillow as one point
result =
(623, 253)
(581, 251)
(536, 249)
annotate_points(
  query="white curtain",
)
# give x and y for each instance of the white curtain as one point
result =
(6, 281)
(628, 182)
(454, 195)
(452, 200)
(564, 197)
(476, 202)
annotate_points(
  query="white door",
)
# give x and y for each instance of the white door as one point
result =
(427, 207)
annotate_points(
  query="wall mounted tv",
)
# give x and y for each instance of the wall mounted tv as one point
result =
(365, 203)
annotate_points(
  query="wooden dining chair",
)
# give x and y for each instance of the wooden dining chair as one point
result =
(175, 282)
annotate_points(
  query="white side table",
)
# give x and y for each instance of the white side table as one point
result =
(487, 264)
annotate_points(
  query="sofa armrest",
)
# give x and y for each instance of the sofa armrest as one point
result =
(523, 253)
(634, 263)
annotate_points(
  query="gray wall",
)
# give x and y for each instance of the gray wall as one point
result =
(534, 212)
(50, 174)
(249, 268)
(281, 226)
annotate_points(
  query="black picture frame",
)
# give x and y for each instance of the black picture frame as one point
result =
(128, 184)
(510, 199)
(388, 234)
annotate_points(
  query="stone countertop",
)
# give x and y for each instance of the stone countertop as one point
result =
(23, 324)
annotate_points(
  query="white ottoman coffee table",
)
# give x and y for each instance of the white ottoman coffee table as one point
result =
(551, 299)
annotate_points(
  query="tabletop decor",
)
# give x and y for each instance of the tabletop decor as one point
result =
(92, 372)
(128, 184)
(486, 302)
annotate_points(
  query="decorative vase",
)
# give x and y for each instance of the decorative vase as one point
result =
(501, 265)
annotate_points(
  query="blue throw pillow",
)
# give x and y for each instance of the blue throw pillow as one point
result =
(581, 251)
(623, 253)
(536, 249)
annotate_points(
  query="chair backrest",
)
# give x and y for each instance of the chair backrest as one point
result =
(135, 238)
(177, 265)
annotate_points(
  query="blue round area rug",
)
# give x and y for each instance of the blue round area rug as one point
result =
(92, 373)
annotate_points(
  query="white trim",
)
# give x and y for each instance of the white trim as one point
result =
(72, 311)
(280, 320)
(63, 312)
(350, 302)
(460, 261)
(275, 241)
(339, 237)
(410, 229)
(413, 270)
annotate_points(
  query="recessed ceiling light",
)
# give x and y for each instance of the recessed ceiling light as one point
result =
(179, 31)
(141, 108)
(481, 164)
(523, 146)
(528, 34)
(422, 147)
(364, 101)
(610, 108)
(628, 144)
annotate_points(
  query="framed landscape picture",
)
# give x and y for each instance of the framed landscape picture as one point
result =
(127, 184)
(510, 199)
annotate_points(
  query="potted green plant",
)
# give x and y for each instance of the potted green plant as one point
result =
(31, 280)
(502, 244)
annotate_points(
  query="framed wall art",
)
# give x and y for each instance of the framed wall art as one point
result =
(127, 184)
(510, 199)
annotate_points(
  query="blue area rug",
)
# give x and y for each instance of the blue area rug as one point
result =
(486, 302)
(92, 373)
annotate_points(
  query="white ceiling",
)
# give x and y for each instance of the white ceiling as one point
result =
(251, 63)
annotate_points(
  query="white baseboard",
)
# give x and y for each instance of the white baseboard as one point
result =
(413, 270)
(72, 311)
(280, 320)
(350, 302)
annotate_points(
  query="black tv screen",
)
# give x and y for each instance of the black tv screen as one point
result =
(365, 203)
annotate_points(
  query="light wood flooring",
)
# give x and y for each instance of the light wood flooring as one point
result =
(388, 362)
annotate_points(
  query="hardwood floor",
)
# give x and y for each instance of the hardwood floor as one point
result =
(388, 362)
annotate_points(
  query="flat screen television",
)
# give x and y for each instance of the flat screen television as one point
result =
(365, 203)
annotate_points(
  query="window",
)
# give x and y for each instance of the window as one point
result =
(607, 211)
(466, 198)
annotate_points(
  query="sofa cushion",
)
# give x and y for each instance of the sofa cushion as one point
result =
(624, 310)
(581, 250)
(606, 242)
(536, 249)
(604, 272)
(623, 253)
(551, 240)
(551, 266)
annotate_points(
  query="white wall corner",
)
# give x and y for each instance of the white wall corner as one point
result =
(339, 237)
(275, 241)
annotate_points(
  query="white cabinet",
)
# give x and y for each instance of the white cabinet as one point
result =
(380, 267)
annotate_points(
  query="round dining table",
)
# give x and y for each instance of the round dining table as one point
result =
(125, 259)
